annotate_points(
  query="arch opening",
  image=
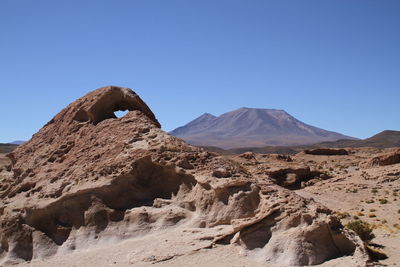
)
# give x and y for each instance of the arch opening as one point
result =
(120, 113)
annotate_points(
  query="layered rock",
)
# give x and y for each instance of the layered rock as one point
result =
(89, 177)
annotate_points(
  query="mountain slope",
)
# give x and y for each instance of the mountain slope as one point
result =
(247, 127)
(17, 142)
(384, 139)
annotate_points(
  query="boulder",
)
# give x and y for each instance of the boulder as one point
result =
(248, 156)
(290, 177)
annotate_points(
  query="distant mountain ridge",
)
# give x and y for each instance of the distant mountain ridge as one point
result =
(17, 142)
(252, 127)
(384, 139)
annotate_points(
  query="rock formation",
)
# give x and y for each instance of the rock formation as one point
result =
(326, 151)
(387, 158)
(88, 177)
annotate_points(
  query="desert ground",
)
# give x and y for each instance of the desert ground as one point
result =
(352, 191)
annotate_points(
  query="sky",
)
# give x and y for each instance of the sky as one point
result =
(334, 64)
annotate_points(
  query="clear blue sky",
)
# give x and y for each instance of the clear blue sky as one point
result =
(334, 64)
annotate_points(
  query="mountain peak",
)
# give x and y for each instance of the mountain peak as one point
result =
(261, 109)
(252, 127)
(207, 115)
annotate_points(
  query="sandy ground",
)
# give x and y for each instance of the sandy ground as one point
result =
(168, 248)
(176, 247)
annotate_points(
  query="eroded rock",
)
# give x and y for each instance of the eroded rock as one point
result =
(385, 159)
(88, 177)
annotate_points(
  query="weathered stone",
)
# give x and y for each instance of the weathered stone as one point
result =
(87, 176)
(389, 158)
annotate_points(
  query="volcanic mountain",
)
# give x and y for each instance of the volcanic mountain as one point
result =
(252, 127)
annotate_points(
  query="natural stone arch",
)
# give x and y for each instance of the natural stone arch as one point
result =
(113, 99)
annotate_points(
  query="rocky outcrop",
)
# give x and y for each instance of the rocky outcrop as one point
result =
(89, 177)
(300, 239)
(101, 104)
(248, 156)
(281, 157)
(326, 152)
(294, 176)
(388, 158)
